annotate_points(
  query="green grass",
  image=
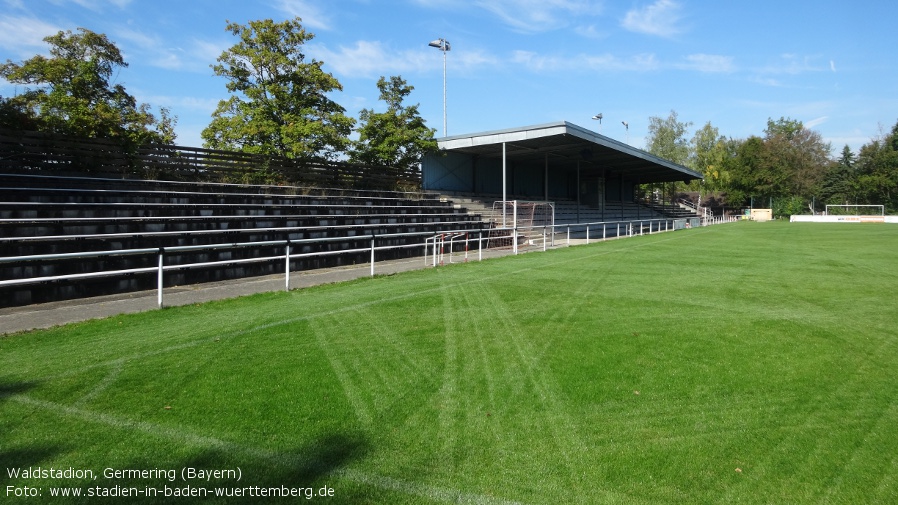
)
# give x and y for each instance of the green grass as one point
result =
(743, 363)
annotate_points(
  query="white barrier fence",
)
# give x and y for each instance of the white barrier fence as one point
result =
(439, 243)
(843, 219)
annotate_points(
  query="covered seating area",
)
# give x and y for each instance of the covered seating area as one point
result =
(551, 162)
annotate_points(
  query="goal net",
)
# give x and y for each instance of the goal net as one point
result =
(531, 220)
(855, 210)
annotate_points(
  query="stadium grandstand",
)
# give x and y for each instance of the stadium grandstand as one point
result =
(80, 218)
(586, 176)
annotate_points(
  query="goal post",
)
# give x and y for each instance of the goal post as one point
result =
(855, 210)
(531, 221)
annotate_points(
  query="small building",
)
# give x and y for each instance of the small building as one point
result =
(555, 161)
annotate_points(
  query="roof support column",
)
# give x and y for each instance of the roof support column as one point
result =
(578, 191)
(504, 182)
(546, 179)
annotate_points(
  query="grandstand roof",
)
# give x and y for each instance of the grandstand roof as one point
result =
(563, 141)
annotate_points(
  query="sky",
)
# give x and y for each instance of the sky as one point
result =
(514, 63)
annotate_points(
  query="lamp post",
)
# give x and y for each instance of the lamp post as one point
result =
(599, 118)
(443, 45)
(627, 126)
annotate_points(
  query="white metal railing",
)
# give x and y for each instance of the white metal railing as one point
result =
(688, 203)
(436, 241)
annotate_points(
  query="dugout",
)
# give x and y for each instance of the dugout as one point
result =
(554, 161)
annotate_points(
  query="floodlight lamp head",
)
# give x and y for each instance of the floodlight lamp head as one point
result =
(598, 116)
(441, 44)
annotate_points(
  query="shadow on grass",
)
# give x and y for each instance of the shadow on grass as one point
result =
(8, 389)
(22, 459)
(303, 472)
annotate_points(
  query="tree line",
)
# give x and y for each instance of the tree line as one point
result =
(280, 104)
(790, 166)
(279, 101)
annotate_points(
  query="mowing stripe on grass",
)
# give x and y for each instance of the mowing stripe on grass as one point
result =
(353, 307)
(752, 365)
(360, 305)
(433, 493)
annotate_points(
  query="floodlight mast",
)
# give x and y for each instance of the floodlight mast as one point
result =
(443, 45)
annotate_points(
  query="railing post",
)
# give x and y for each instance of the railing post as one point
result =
(587, 234)
(287, 267)
(569, 235)
(545, 237)
(159, 279)
(480, 246)
(514, 234)
(372, 254)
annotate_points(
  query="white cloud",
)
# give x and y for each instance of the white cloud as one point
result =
(660, 18)
(590, 32)
(832, 66)
(96, 5)
(585, 62)
(312, 15)
(369, 59)
(814, 122)
(540, 15)
(709, 63)
(204, 105)
(196, 55)
(24, 36)
(373, 59)
(793, 64)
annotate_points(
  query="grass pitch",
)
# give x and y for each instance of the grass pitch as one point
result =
(742, 363)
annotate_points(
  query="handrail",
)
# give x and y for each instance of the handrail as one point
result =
(226, 194)
(245, 217)
(654, 225)
(274, 229)
(226, 185)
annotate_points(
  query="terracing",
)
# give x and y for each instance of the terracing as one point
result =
(69, 218)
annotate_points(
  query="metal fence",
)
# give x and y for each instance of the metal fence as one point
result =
(436, 245)
(45, 153)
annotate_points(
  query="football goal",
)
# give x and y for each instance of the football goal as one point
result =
(532, 222)
(855, 210)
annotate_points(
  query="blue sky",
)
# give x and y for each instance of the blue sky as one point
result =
(829, 64)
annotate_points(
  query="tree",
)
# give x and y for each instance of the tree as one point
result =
(782, 127)
(749, 174)
(877, 178)
(710, 151)
(803, 158)
(398, 137)
(279, 103)
(667, 138)
(839, 182)
(72, 93)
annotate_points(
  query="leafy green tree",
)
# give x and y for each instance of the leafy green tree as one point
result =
(710, 150)
(279, 102)
(70, 92)
(397, 137)
(800, 154)
(667, 138)
(782, 127)
(878, 171)
(839, 185)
